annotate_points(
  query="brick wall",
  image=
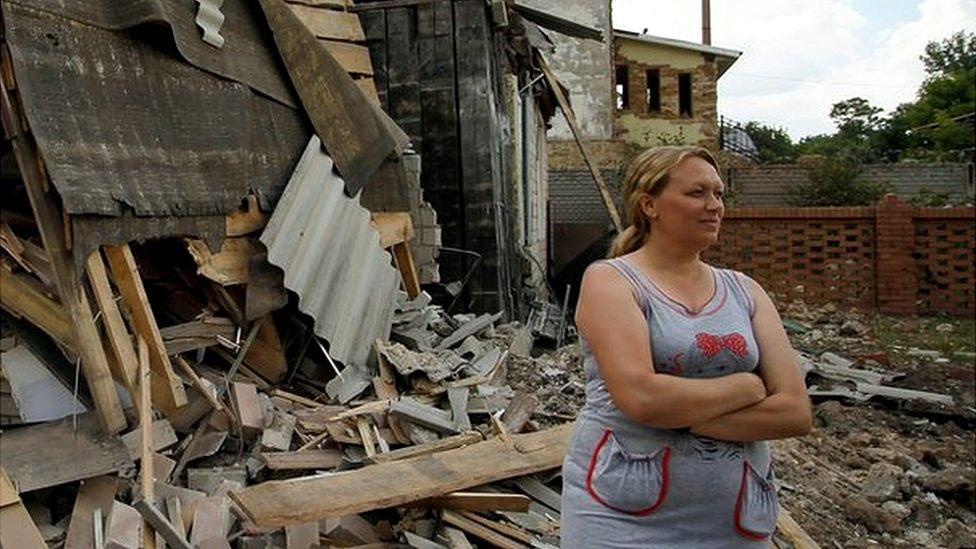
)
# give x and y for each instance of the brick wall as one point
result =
(891, 256)
(772, 184)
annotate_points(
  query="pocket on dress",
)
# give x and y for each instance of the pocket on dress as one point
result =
(636, 484)
(757, 507)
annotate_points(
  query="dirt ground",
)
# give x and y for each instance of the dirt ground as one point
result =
(875, 474)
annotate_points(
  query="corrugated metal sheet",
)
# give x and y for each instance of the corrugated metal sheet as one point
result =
(332, 259)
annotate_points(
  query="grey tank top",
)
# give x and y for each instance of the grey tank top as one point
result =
(627, 484)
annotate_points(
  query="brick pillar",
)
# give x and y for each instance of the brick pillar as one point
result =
(897, 286)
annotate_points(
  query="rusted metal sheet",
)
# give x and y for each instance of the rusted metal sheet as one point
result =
(247, 57)
(332, 259)
(125, 127)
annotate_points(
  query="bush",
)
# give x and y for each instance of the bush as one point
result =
(836, 182)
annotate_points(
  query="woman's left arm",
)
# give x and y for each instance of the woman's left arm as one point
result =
(785, 412)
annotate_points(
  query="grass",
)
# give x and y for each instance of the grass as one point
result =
(900, 333)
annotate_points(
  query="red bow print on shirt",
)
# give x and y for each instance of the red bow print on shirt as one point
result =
(711, 345)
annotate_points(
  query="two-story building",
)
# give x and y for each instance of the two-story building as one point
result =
(665, 90)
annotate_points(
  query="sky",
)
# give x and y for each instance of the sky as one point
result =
(799, 57)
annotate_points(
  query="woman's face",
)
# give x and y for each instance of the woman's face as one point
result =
(689, 209)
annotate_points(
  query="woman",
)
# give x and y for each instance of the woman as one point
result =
(689, 371)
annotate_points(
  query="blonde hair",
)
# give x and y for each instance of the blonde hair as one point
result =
(648, 174)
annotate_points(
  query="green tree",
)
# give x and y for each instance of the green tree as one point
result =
(774, 144)
(939, 125)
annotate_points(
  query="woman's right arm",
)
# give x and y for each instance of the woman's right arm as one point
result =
(615, 329)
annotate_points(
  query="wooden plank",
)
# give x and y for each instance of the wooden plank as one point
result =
(448, 443)
(564, 106)
(227, 266)
(351, 57)
(352, 129)
(119, 340)
(249, 413)
(196, 334)
(394, 227)
(174, 538)
(210, 520)
(199, 384)
(366, 435)
(18, 528)
(499, 527)
(162, 434)
(302, 536)
(533, 487)
(340, 4)
(53, 453)
(368, 87)
(480, 531)
(146, 477)
(266, 355)
(247, 219)
(330, 24)
(408, 271)
(123, 527)
(50, 224)
(279, 503)
(478, 501)
(303, 459)
(94, 493)
(519, 411)
(174, 510)
(793, 532)
(385, 4)
(126, 277)
(458, 397)
(24, 297)
(421, 414)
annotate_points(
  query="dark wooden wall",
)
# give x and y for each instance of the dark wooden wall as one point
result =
(438, 69)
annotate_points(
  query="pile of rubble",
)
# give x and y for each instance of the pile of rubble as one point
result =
(435, 449)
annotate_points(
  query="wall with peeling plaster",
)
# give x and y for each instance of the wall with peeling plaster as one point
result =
(583, 66)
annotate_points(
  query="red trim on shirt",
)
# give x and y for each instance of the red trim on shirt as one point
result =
(748, 534)
(666, 458)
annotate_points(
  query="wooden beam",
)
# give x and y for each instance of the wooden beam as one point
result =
(394, 227)
(478, 501)
(279, 503)
(480, 531)
(146, 450)
(408, 271)
(50, 224)
(198, 383)
(302, 459)
(119, 340)
(330, 24)
(601, 185)
(53, 453)
(170, 395)
(152, 517)
(448, 443)
(387, 4)
(24, 297)
(94, 493)
(18, 528)
(352, 57)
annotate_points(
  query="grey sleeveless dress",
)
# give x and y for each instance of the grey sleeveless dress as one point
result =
(626, 484)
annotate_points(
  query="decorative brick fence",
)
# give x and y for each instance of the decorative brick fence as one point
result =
(890, 257)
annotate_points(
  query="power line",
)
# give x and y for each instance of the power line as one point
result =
(822, 82)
